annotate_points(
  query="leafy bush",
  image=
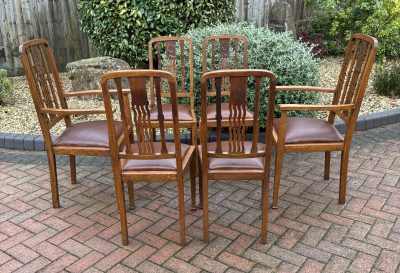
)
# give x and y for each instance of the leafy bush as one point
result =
(291, 61)
(338, 19)
(387, 79)
(122, 28)
(5, 85)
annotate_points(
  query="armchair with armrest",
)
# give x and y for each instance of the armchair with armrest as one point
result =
(295, 134)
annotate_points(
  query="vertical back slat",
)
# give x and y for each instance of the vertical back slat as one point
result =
(182, 48)
(218, 117)
(160, 118)
(236, 42)
(124, 115)
(256, 124)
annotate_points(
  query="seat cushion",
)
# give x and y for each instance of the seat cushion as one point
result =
(309, 130)
(183, 112)
(168, 164)
(212, 111)
(87, 134)
(255, 163)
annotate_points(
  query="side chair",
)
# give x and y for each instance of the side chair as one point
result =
(170, 52)
(236, 158)
(227, 52)
(143, 157)
(88, 138)
(296, 134)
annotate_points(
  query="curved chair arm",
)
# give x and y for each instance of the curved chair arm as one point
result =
(68, 112)
(90, 93)
(306, 88)
(313, 107)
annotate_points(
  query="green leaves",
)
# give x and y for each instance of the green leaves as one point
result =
(122, 28)
(338, 19)
(5, 85)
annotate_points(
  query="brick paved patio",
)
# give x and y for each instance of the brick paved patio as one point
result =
(310, 232)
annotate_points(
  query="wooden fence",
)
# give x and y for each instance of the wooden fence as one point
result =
(57, 21)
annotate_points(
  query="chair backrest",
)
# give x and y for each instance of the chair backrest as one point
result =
(225, 51)
(221, 49)
(166, 49)
(354, 75)
(239, 79)
(135, 113)
(44, 83)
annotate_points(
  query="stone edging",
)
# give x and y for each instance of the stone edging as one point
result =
(364, 122)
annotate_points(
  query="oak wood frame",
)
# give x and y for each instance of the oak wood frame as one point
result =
(170, 50)
(51, 107)
(346, 103)
(238, 80)
(141, 123)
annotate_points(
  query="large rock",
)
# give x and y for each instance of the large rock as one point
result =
(85, 74)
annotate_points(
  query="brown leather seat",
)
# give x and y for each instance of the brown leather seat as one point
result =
(156, 164)
(89, 133)
(255, 163)
(212, 111)
(305, 130)
(183, 112)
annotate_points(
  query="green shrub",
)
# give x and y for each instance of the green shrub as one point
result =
(122, 28)
(338, 19)
(387, 79)
(291, 61)
(5, 85)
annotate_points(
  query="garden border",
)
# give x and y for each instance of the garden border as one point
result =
(364, 122)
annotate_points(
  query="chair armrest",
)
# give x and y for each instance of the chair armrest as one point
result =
(306, 88)
(311, 107)
(90, 93)
(68, 112)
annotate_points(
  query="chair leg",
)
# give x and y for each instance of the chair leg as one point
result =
(193, 168)
(53, 179)
(119, 191)
(205, 207)
(72, 167)
(200, 206)
(264, 206)
(181, 201)
(327, 165)
(193, 183)
(343, 175)
(131, 195)
(277, 175)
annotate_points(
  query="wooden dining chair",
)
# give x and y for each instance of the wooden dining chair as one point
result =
(296, 134)
(88, 138)
(223, 52)
(170, 52)
(144, 158)
(236, 158)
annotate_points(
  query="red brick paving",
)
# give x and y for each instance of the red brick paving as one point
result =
(309, 232)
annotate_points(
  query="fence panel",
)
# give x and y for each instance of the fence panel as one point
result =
(55, 20)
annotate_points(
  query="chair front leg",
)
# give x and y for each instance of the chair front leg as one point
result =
(205, 206)
(51, 158)
(264, 207)
(72, 168)
(343, 174)
(181, 201)
(119, 192)
(131, 195)
(327, 165)
(193, 168)
(277, 176)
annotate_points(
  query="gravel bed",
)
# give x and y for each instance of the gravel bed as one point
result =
(19, 116)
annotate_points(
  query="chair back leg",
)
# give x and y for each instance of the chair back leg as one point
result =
(327, 165)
